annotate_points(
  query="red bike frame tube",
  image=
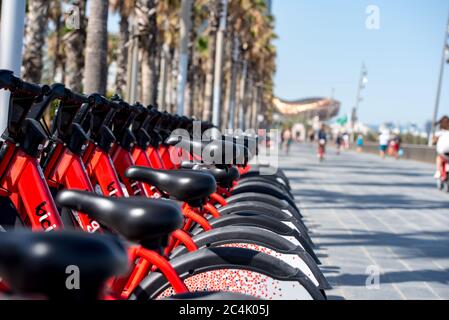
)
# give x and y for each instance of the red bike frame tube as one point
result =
(155, 159)
(122, 161)
(224, 192)
(194, 217)
(180, 237)
(218, 199)
(210, 209)
(141, 159)
(164, 154)
(30, 194)
(69, 172)
(244, 169)
(101, 170)
(147, 259)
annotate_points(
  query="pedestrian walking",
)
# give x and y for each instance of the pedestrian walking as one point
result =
(287, 140)
(339, 142)
(397, 143)
(360, 143)
(384, 140)
(346, 140)
(322, 141)
(441, 140)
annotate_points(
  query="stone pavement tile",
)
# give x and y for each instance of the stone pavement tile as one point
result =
(362, 293)
(367, 211)
(441, 289)
(416, 291)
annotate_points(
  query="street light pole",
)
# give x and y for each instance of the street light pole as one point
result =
(216, 113)
(444, 55)
(362, 81)
(133, 65)
(186, 25)
(11, 39)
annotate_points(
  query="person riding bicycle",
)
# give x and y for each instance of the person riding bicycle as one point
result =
(441, 139)
(322, 141)
(338, 142)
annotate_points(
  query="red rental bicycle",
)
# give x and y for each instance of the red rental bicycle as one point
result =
(180, 237)
(107, 212)
(20, 174)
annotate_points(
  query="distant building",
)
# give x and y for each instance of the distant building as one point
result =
(308, 109)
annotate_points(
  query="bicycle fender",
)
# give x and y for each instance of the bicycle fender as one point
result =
(261, 221)
(256, 236)
(205, 260)
(265, 209)
(252, 196)
(263, 188)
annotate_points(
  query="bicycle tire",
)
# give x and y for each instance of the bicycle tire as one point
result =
(231, 270)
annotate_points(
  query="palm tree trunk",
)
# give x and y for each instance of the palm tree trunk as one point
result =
(145, 13)
(233, 83)
(174, 79)
(192, 77)
(238, 98)
(157, 74)
(163, 79)
(243, 95)
(170, 84)
(212, 45)
(74, 44)
(255, 105)
(57, 60)
(185, 30)
(96, 71)
(247, 102)
(122, 59)
(35, 40)
(226, 93)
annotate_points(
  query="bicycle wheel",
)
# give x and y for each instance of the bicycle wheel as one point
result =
(264, 190)
(263, 222)
(278, 203)
(264, 180)
(269, 210)
(232, 270)
(263, 241)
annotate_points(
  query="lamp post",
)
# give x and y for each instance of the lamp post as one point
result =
(186, 25)
(363, 81)
(216, 111)
(444, 59)
(11, 39)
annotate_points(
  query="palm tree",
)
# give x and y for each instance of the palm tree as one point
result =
(55, 45)
(146, 17)
(167, 53)
(214, 9)
(74, 42)
(124, 8)
(96, 63)
(36, 31)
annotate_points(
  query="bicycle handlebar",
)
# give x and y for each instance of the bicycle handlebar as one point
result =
(14, 84)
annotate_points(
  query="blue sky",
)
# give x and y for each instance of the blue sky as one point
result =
(322, 44)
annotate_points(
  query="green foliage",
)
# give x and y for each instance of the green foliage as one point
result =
(202, 45)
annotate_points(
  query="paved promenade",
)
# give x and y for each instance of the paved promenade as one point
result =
(368, 214)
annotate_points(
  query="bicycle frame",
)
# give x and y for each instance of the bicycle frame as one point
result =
(122, 160)
(67, 170)
(22, 181)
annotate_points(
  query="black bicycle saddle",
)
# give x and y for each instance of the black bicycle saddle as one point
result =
(183, 185)
(224, 175)
(142, 220)
(40, 263)
(214, 152)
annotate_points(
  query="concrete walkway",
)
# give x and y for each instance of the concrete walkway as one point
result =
(368, 215)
